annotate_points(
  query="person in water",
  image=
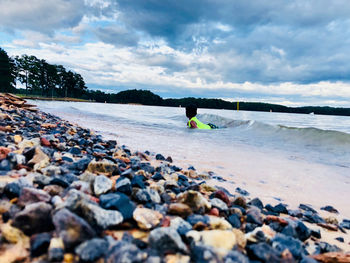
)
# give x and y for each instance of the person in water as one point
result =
(193, 122)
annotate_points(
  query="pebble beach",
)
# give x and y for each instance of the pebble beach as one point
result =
(69, 195)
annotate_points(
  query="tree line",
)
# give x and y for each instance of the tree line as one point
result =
(38, 77)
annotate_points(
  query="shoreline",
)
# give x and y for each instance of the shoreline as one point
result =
(67, 193)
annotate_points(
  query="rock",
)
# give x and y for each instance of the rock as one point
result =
(12, 234)
(12, 190)
(103, 218)
(307, 208)
(223, 196)
(45, 142)
(35, 218)
(177, 258)
(157, 177)
(340, 239)
(181, 226)
(261, 234)
(218, 203)
(147, 218)
(160, 157)
(195, 200)
(124, 252)
(39, 244)
(138, 181)
(39, 160)
(56, 250)
(312, 218)
(71, 228)
(234, 220)
(303, 232)
(331, 220)
(241, 191)
(92, 250)
(195, 218)
(280, 208)
(203, 254)
(281, 242)
(102, 185)
(330, 209)
(332, 257)
(254, 216)
(263, 252)
(147, 195)
(5, 165)
(17, 138)
(345, 224)
(235, 257)
(104, 167)
(166, 240)
(4, 152)
(218, 223)
(179, 209)
(123, 185)
(51, 170)
(33, 195)
(218, 239)
(240, 201)
(53, 190)
(75, 150)
(120, 202)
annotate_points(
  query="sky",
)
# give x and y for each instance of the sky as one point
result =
(279, 51)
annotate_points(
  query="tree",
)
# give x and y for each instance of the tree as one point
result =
(7, 72)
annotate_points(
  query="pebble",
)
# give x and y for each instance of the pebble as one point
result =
(35, 218)
(102, 185)
(32, 195)
(39, 244)
(195, 200)
(71, 228)
(179, 209)
(92, 250)
(120, 202)
(123, 185)
(166, 240)
(147, 218)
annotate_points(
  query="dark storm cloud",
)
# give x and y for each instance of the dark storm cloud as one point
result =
(266, 41)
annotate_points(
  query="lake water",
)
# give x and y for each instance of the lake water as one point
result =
(293, 158)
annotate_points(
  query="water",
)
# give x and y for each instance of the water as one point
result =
(295, 158)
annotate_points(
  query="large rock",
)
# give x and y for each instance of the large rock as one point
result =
(32, 195)
(71, 228)
(282, 242)
(39, 160)
(35, 218)
(166, 239)
(120, 202)
(102, 185)
(218, 239)
(147, 218)
(103, 218)
(195, 200)
(179, 209)
(103, 167)
(92, 250)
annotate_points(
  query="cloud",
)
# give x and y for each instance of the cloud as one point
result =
(117, 36)
(40, 15)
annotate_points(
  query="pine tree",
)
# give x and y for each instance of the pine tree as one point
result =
(7, 72)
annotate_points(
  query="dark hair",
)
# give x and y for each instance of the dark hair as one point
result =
(191, 111)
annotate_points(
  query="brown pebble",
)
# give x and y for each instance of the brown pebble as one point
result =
(180, 209)
(45, 142)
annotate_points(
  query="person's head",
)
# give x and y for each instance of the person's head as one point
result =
(191, 111)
